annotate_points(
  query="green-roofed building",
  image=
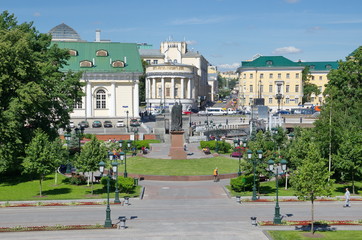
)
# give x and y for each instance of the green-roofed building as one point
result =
(111, 72)
(277, 81)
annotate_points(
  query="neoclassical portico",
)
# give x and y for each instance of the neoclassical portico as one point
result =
(170, 83)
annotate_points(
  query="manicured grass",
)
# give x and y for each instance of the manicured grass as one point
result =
(203, 166)
(20, 190)
(328, 235)
(268, 188)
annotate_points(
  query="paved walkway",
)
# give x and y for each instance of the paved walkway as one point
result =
(161, 151)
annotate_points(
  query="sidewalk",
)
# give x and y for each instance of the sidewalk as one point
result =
(161, 151)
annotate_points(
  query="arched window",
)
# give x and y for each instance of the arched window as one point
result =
(101, 99)
(73, 52)
(102, 53)
(86, 63)
(118, 64)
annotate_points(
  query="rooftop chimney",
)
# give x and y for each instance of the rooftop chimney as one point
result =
(98, 35)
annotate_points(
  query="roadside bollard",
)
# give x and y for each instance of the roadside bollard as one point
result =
(126, 201)
(238, 199)
(253, 221)
(122, 222)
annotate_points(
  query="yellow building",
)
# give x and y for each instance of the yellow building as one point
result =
(276, 81)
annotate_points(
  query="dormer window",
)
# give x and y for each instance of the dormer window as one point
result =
(73, 52)
(118, 64)
(86, 64)
(311, 67)
(102, 53)
(328, 66)
(269, 63)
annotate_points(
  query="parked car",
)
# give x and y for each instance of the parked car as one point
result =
(84, 124)
(96, 124)
(120, 123)
(186, 112)
(71, 124)
(134, 123)
(107, 124)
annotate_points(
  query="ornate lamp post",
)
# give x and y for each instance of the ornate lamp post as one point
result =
(254, 161)
(115, 172)
(283, 162)
(79, 134)
(127, 120)
(124, 157)
(236, 145)
(108, 221)
(67, 137)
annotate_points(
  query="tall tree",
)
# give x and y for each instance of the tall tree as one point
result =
(38, 159)
(308, 87)
(93, 152)
(34, 93)
(310, 180)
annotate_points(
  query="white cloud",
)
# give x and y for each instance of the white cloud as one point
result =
(37, 14)
(228, 66)
(191, 42)
(287, 50)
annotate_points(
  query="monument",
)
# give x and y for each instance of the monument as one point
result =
(177, 134)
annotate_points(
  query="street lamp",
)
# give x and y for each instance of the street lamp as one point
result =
(115, 172)
(236, 145)
(124, 157)
(67, 137)
(79, 134)
(127, 120)
(254, 161)
(108, 221)
(283, 162)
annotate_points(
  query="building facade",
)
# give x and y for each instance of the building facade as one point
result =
(111, 74)
(277, 81)
(175, 74)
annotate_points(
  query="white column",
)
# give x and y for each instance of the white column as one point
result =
(112, 100)
(135, 100)
(88, 101)
(182, 88)
(153, 93)
(189, 89)
(173, 88)
(162, 90)
(147, 89)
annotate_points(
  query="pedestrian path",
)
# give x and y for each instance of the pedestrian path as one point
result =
(162, 150)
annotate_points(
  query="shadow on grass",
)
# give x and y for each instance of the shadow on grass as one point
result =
(266, 190)
(57, 191)
(322, 227)
(342, 190)
(12, 181)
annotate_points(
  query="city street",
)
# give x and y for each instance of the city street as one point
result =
(177, 210)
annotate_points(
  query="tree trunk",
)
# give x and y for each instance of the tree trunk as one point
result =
(353, 182)
(312, 224)
(55, 177)
(92, 184)
(40, 185)
(88, 179)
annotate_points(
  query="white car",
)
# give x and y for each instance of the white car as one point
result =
(120, 123)
(71, 124)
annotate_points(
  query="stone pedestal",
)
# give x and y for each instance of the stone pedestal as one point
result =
(177, 145)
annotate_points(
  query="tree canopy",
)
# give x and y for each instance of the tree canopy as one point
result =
(34, 92)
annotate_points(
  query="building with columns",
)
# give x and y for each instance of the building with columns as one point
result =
(175, 74)
(111, 72)
(212, 75)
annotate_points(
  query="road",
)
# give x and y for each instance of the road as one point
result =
(172, 210)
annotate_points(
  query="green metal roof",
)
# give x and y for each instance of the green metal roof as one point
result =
(126, 52)
(269, 61)
(320, 66)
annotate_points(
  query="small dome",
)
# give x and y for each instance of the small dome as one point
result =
(63, 32)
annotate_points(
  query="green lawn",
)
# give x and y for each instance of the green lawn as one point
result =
(203, 166)
(269, 189)
(328, 235)
(20, 190)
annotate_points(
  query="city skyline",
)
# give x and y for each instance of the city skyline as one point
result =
(225, 32)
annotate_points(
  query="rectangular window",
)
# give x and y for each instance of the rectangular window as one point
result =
(159, 92)
(288, 75)
(148, 61)
(168, 90)
(176, 92)
(279, 75)
(270, 75)
(287, 88)
(287, 100)
(312, 99)
(270, 88)
(312, 77)
(320, 88)
(261, 75)
(251, 101)
(251, 76)
(296, 88)
(244, 75)
(78, 105)
(270, 100)
(155, 61)
(297, 75)
(320, 100)
(261, 88)
(297, 101)
(251, 88)
(320, 78)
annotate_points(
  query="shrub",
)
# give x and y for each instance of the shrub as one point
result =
(112, 183)
(76, 179)
(222, 145)
(145, 143)
(242, 183)
(126, 185)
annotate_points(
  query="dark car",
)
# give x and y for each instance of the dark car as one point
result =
(84, 124)
(134, 123)
(107, 124)
(96, 124)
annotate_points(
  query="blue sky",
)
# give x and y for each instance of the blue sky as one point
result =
(225, 32)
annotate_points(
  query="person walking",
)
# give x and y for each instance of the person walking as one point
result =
(347, 196)
(216, 174)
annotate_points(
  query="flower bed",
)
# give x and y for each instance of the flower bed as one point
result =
(52, 228)
(305, 223)
(52, 204)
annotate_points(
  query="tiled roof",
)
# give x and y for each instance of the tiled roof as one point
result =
(320, 66)
(150, 52)
(269, 61)
(86, 51)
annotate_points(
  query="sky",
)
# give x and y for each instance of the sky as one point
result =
(225, 32)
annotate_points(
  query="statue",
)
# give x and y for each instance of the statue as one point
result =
(176, 117)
